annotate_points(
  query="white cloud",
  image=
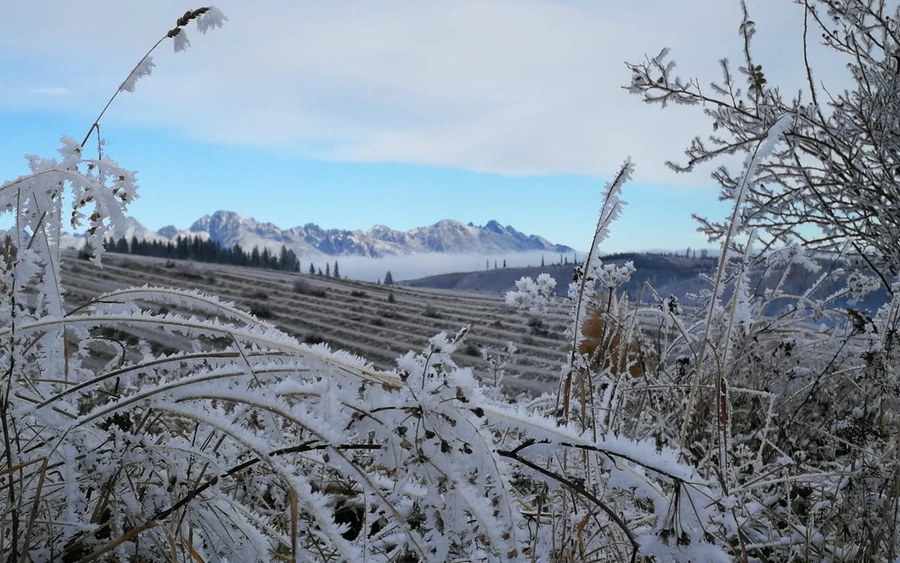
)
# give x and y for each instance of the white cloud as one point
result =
(50, 91)
(509, 86)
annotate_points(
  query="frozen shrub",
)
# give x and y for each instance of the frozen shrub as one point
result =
(86, 252)
(532, 295)
(788, 395)
(471, 349)
(313, 339)
(259, 295)
(188, 270)
(610, 342)
(537, 328)
(303, 287)
(261, 310)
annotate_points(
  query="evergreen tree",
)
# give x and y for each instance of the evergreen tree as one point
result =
(182, 248)
(194, 248)
(337, 273)
(288, 260)
(388, 278)
(238, 256)
(542, 260)
(86, 251)
(504, 262)
(312, 269)
(255, 259)
(327, 270)
(209, 251)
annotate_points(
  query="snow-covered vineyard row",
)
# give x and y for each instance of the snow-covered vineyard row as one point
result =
(354, 316)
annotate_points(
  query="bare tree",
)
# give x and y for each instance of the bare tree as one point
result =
(839, 171)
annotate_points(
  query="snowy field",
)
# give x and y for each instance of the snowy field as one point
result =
(354, 316)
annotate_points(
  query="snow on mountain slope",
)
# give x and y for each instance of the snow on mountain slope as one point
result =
(131, 228)
(313, 242)
(447, 236)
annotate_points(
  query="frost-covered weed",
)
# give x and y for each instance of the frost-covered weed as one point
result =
(532, 295)
(784, 396)
(788, 396)
(239, 443)
(767, 428)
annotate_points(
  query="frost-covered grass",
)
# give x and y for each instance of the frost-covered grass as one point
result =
(743, 436)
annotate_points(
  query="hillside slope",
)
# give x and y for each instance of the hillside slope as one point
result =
(667, 274)
(356, 316)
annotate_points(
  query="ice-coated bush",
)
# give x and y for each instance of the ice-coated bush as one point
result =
(532, 295)
(767, 428)
(239, 443)
(785, 392)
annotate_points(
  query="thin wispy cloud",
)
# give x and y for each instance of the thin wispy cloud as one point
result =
(50, 91)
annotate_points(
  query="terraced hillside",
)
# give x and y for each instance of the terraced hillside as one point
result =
(356, 316)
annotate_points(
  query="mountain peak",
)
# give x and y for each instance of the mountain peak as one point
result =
(223, 215)
(169, 231)
(448, 223)
(201, 224)
(495, 227)
(448, 235)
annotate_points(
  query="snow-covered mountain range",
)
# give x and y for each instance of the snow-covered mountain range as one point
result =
(447, 236)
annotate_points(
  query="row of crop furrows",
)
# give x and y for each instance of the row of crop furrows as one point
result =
(410, 306)
(469, 306)
(356, 316)
(402, 317)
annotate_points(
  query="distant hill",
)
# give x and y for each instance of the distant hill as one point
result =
(668, 274)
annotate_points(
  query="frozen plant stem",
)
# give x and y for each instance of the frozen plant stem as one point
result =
(145, 64)
(609, 212)
(762, 150)
(96, 123)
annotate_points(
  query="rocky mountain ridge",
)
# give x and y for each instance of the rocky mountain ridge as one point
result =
(310, 240)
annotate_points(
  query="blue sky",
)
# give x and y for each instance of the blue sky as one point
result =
(182, 179)
(355, 114)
